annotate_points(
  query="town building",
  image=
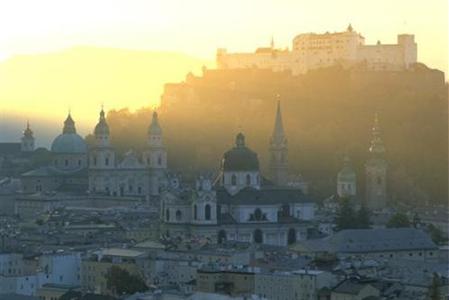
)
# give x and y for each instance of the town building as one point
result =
(313, 51)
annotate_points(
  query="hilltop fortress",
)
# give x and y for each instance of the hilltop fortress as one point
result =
(312, 51)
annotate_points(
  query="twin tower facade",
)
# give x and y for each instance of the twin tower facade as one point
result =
(132, 175)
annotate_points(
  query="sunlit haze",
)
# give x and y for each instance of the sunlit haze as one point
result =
(195, 28)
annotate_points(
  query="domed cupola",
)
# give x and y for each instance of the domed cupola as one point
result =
(240, 158)
(239, 167)
(102, 127)
(69, 141)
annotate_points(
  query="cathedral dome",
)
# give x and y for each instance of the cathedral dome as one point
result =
(240, 158)
(69, 141)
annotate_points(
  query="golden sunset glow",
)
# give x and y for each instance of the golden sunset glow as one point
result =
(194, 28)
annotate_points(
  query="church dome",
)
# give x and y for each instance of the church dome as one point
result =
(69, 141)
(240, 158)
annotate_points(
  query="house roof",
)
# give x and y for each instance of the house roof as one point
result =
(373, 240)
(269, 195)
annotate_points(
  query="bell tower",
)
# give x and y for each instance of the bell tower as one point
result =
(376, 171)
(278, 151)
(155, 155)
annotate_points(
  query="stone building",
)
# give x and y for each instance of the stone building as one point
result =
(312, 51)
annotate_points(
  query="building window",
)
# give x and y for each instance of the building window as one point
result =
(379, 180)
(139, 190)
(195, 212)
(66, 162)
(233, 180)
(159, 160)
(106, 161)
(178, 215)
(248, 179)
(207, 212)
(95, 160)
(79, 162)
(167, 214)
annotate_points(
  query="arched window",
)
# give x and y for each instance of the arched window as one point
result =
(248, 179)
(106, 161)
(159, 160)
(233, 180)
(195, 212)
(207, 213)
(95, 160)
(167, 214)
(258, 214)
(178, 215)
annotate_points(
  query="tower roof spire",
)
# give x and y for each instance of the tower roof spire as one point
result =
(278, 131)
(102, 127)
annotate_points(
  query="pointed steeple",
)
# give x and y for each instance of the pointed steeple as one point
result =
(69, 125)
(377, 145)
(278, 135)
(272, 42)
(278, 150)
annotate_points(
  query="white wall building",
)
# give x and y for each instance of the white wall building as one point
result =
(312, 51)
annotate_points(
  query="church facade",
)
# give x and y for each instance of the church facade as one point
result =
(95, 170)
(240, 204)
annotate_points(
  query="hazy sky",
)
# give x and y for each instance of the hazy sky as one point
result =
(198, 27)
(194, 27)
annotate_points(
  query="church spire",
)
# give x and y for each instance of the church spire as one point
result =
(278, 150)
(278, 135)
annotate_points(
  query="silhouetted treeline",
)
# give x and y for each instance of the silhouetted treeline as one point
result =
(326, 113)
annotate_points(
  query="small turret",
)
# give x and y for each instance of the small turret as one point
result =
(27, 140)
